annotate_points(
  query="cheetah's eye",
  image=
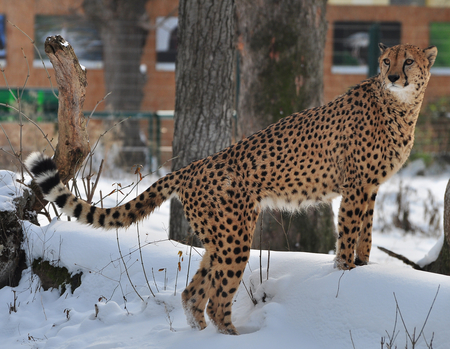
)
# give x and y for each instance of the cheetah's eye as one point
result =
(386, 61)
(409, 61)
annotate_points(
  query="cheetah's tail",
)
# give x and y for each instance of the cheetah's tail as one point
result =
(46, 176)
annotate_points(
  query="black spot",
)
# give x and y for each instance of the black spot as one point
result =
(101, 220)
(77, 211)
(90, 215)
(61, 200)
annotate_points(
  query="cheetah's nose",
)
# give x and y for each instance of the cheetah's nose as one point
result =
(393, 78)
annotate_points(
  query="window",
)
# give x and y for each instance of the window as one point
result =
(351, 42)
(80, 33)
(166, 43)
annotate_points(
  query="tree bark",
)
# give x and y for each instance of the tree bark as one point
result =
(442, 264)
(204, 101)
(282, 45)
(12, 256)
(123, 27)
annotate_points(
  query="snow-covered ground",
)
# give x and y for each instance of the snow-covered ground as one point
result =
(302, 302)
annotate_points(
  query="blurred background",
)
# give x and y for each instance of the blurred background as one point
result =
(144, 46)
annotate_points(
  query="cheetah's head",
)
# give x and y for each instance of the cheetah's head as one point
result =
(405, 70)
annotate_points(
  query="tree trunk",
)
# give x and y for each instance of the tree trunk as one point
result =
(123, 29)
(204, 102)
(442, 264)
(282, 45)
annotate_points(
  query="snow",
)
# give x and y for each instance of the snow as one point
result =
(432, 254)
(9, 190)
(302, 302)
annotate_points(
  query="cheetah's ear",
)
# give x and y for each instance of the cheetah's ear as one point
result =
(382, 47)
(431, 53)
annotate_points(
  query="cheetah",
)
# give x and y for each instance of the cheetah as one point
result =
(347, 147)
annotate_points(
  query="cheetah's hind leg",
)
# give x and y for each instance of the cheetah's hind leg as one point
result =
(195, 296)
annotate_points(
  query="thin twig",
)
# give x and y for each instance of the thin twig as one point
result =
(96, 105)
(40, 56)
(260, 251)
(140, 254)
(156, 285)
(414, 339)
(9, 141)
(28, 74)
(339, 283)
(249, 294)
(189, 262)
(125, 265)
(34, 123)
(351, 337)
(6, 82)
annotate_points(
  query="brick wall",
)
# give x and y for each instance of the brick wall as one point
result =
(159, 89)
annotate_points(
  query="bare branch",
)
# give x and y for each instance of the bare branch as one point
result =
(402, 258)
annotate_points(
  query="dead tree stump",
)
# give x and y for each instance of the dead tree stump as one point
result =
(73, 142)
(71, 151)
(12, 257)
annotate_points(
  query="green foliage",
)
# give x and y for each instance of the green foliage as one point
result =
(427, 158)
(440, 37)
(432, 135)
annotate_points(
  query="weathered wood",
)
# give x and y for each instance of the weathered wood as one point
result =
(73, 145)
(72, 149)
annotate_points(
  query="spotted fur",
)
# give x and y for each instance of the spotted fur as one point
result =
(348, 147)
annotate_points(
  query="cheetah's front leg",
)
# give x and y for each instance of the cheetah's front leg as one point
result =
(364, 242)
(353, 208)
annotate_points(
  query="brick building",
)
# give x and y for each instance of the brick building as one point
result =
(345, 61)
